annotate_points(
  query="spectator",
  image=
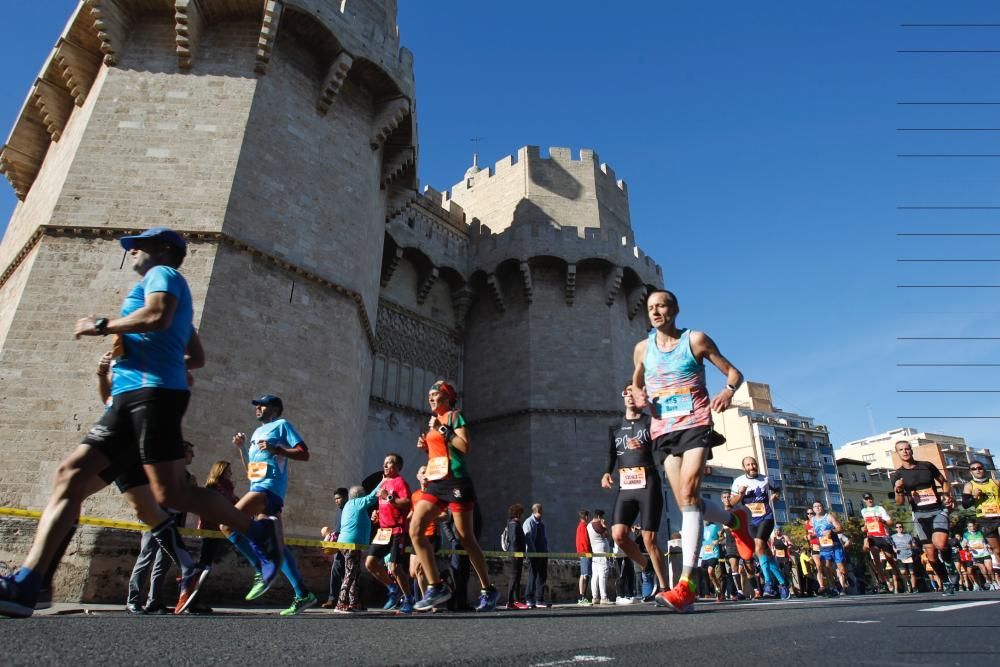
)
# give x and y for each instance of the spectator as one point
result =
(538, 566)
(220, 478)
(355, 529)
(513, 541)
(597, 532)
(340, 497)
(582, 547)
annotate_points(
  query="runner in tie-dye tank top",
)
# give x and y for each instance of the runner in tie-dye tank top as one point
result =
(669, 376)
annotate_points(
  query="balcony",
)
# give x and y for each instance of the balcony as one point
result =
(804, 482)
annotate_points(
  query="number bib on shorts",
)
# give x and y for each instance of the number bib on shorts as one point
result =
(383, 536)
(757, 509)
(257, 471)
(925, 497)
(632, 478)
(674, 403)
(437, 468)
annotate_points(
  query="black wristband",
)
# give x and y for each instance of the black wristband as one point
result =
(101, 324)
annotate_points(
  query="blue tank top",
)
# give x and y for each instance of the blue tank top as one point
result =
(675, 385)
(820, 526)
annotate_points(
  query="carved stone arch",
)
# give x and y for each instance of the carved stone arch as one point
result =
(307, 42)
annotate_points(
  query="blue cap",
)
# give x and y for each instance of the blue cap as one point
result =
(159, 233)
(269, 400)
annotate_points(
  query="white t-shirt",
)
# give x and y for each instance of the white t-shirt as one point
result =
(757, 497)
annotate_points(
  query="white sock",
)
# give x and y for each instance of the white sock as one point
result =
(691, 533)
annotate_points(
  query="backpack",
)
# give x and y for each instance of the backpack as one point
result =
(504, 540)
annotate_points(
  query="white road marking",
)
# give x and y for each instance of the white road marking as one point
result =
(964, 605)
(575, 660)
(859, 621)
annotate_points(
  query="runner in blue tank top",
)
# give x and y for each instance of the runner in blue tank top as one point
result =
(670, 376)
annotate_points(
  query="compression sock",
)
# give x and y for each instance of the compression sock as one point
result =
(714, 513)
(776, 572)
(57, 557)
(766, 570)
(170, 541)
(28, 578)
(242, 544)
(291, 572)
(691, 534)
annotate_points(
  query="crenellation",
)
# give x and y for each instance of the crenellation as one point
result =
(268, 33)
(189, 24)
(113, 22)
(335, 77)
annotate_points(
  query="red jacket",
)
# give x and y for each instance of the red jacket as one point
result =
(582, 539)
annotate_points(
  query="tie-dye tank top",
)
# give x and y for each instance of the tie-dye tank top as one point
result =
(675, 385)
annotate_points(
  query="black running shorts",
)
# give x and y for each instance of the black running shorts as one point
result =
(144, 422)
(647, 502)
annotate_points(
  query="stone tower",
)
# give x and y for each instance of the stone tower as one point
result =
(279, 135)
(525, 285)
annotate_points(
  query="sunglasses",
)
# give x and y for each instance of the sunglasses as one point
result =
(977, 468)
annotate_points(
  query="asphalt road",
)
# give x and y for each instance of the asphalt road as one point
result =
(871, 630)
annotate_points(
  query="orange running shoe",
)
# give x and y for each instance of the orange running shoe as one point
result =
(744, 543)
(680, 598)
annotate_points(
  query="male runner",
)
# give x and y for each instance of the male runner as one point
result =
(929, 495)
(273, 444)
(904, 544)
(669, 376)
(974, 540)
(150, 395)
(877, 538)
(827, 528)
(983, 493)
(641, 494)
(393, 507)
(711, 540)
(755, 492)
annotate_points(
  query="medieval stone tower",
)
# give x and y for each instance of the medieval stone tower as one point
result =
(278, 135)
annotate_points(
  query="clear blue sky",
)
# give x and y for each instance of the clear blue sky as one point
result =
(759, 142)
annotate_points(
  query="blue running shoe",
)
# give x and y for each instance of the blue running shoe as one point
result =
(769, 592)
(395, 597)
(406, 606)
(783, 592)
(16, 600)
(435, 595)
(488, 598)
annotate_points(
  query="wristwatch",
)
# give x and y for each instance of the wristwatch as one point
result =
(101, 324)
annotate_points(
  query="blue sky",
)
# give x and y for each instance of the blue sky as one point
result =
(760, 142)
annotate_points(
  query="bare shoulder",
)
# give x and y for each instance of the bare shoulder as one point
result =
(640, 347)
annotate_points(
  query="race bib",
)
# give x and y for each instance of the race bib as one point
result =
(757, 509)
(873, 525)
(825, 541)
(257, 471)
(437, 468)
(708, 551)
(990, 508)
(977, 545)
(673, 403)
(632, 478)
(779, 553)
(383, 536)
(925, 497)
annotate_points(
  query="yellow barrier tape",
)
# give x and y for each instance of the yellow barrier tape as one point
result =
(292, 541)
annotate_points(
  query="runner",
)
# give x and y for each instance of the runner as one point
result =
(781, 548)
(755, 492)
(641, 493)
(904, 544)
(670, 366)
(821, 574)
(877, 539)
(929, 495)
(273, 444)
(390, 540)
(974, 540)
(732, 556)
(983, 493)
(150, 395)
(449, 486)
(711, 539)
(827, 529)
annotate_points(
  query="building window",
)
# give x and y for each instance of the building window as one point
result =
(828, 460)
(864, 478)
(868, 458)
(854, 476)
(850, 507)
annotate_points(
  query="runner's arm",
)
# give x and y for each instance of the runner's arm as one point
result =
(835, 522)
(156, 314)
(299, 452)
(704, 347)
(967, 499)
(104, 377)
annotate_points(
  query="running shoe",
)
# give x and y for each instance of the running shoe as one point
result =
(756, 594)
(395, 597)
(155, 609)
(258, 588)
(660, 599)
(637, 599)
(783, 592)
(300, 604)
(740, 597)
(769, 592)
(718, 597)
(949, 589)
(681, 598)
(341, 609)
(435, 595)
(530, 605)
(622, 600)
(329, 604)
(406, 606)
(652, 596)
(741, 533)
(189, 587)
(975, 588)
(488, 599)
(521, 605)
(584, 602)
(134, 608)
(17, 600)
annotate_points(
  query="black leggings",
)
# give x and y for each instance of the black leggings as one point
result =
(514, 567)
